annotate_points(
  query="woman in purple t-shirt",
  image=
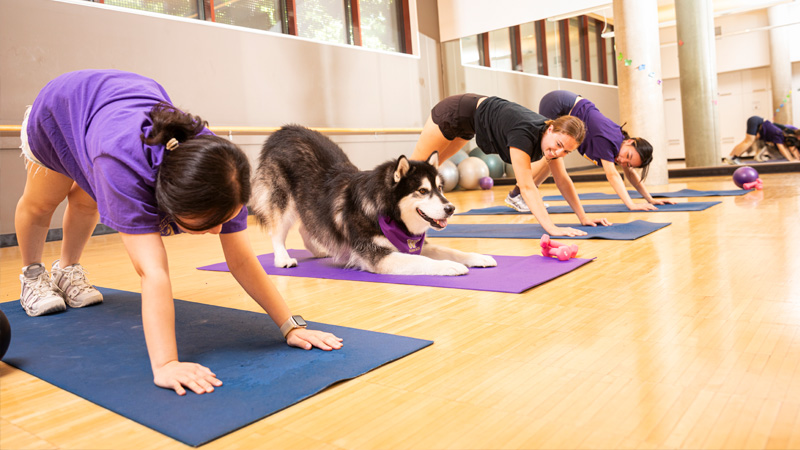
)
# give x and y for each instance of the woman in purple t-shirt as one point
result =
(606, 145)
(758, 128)
(111, 143)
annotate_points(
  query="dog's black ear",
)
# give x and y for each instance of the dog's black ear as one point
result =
(401, 169)
(434, 159)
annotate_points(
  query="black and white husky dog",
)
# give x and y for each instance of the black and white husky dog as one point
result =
(371, 220)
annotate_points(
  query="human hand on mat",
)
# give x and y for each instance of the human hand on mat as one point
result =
(589, 222)
(175, 375)
(306, 339)
(663, 202)
(642, 207)
(565, 231)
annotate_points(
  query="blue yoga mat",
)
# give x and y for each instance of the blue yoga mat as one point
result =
(513, 274)
(635, 194)
(619, 231)
(99, 353)
(610, 208)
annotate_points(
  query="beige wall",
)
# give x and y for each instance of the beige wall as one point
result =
(227, 75)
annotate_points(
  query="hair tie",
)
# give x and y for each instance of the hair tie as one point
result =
(172, 144)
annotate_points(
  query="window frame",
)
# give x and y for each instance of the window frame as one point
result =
(206, 12)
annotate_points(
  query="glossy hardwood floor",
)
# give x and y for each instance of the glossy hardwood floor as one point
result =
(686, 338)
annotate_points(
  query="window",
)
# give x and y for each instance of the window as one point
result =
(553, 39)
(574, 40)
(500, 49)
(260, 14)
(321, 20)
(596, 56)
(611, 60)
(570, 48)
(529, 46)
(470, 51)
(376, 24)
(180, 8)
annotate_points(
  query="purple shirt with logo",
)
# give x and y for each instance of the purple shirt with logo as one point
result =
(603, 136)
(404, 242)
(87, 126)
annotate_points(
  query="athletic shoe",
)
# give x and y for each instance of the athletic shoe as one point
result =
(731, 161)
(77, 290)
(517, 202)
(39, 294)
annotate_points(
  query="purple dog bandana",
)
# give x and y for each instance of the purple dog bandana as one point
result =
(405, 243)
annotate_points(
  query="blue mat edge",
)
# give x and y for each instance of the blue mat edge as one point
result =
(663, 225)
(424, 343)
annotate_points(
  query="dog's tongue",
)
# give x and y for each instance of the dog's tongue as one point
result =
(441, 222)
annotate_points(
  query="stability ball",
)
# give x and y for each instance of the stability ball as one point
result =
(744, 175)
(510, 171)
(496, 165)
(486, 183)
(449, 173)
(458, 157)
(470, 171)
(5, 334)
(477, 152)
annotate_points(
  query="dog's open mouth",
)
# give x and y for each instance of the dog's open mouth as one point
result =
(435, 223)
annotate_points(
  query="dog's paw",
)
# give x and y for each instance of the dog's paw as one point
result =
(285, 263)
(450, 268)
(478, 260)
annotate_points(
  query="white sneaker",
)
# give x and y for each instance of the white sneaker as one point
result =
(77, 290)
(39, 294)
(731, 161)
(517, 202)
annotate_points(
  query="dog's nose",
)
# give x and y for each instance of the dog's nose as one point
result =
(449, 209)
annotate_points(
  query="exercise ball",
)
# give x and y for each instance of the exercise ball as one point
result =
(5, 334)
(470, 171)
(744, 175)
(459, 156)
(449, 173)
(477, 152)
(510, 171)
(496, 165)
(486, 183)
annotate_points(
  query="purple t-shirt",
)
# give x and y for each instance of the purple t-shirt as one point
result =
(87, 126)
(771, 133)
(603, 137)
(404, 242)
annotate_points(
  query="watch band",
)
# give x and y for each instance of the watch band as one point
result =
(292, 323)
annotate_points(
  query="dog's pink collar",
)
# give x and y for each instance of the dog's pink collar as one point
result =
(404, 242)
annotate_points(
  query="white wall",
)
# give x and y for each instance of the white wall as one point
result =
(743, 76)
(228, 75)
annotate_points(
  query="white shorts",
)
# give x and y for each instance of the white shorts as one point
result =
(26, 148)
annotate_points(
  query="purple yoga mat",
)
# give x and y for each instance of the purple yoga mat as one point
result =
(513, 274)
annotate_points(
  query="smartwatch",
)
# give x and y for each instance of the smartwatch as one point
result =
(293, 322)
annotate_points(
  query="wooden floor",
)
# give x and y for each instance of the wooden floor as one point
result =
(686, 338)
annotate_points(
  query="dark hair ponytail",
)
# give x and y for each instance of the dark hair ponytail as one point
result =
(205, 177)
(643, 148)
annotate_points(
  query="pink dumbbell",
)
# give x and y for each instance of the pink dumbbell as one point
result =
(556, 249)
(758, 184)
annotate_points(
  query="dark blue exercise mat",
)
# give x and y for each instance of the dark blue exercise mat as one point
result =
(99, 353)
(619, 231)
(604, 208)
(635, 194)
